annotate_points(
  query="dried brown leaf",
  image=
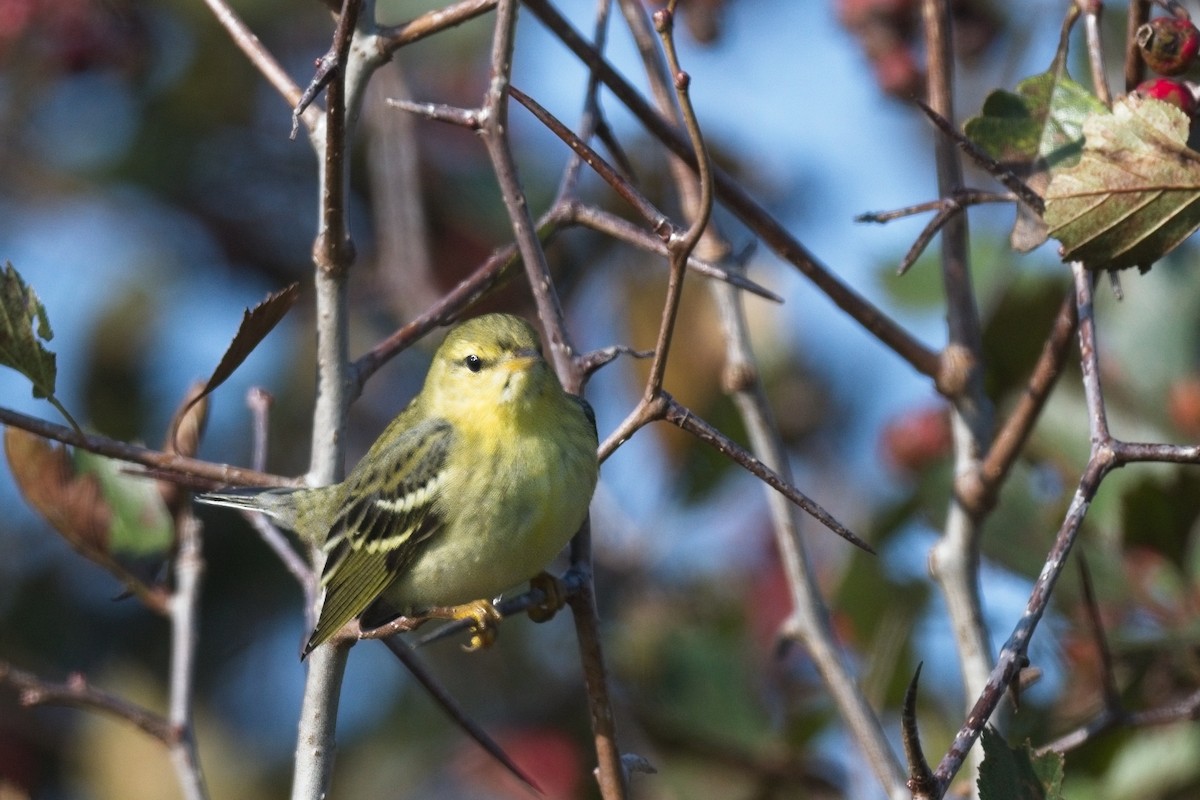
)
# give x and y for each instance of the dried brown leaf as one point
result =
(257, 322)
(72, 503)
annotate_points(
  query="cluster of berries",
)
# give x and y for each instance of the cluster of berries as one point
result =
(1169, 46)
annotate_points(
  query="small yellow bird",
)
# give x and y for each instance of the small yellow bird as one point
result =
(475, 487)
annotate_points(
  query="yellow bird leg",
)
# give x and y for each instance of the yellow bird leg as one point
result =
(554, 597)
(483, 616)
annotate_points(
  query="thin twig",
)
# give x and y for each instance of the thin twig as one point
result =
(1092, 9)
(954, 558)
(599, 220)
(977, 490)
(962, 197)
(189, 568)
(809, 622)
(921, 781)
(1108, 675)
(659, 222)
(76, 692)
(186, 471)
(680, 416)
(772, 233)
(452, 708)
(259, 402)
(1135, 67)
(393, 37)
(993, 167)
(1101, 461)
(260, 57)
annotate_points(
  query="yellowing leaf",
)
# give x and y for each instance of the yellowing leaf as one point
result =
(72, 503)
(102, 512)
(1135, 193)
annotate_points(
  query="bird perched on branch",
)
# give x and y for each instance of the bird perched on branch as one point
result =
(475, 487)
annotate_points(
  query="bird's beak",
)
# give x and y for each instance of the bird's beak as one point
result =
(521, 360)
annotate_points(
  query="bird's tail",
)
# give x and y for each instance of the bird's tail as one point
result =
(279, 504)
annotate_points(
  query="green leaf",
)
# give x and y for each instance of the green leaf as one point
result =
(20, 348)
(1134, 195)
(1009, 773)
(1033, 131)
(1039, 126)
(139, 525)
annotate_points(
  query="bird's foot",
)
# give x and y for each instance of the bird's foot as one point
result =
(484, 619)
(554, 594)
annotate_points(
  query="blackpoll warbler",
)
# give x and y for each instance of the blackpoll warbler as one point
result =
(472, 489)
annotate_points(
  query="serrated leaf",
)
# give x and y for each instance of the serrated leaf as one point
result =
(257, 322)
(1134, 195)
(1037, 129)
(1015, 773)
(23, 322)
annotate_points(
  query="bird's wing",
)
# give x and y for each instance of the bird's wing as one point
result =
(377, 533)
(587, 410)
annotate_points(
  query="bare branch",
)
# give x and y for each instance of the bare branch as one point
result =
(78, 693)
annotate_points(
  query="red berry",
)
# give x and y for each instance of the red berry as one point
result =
(917, 439)
(1169, 44)
(1169, 90)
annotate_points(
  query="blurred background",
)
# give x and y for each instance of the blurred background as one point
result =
(149, 192)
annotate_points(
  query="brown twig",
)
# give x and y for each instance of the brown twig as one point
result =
(452, 709)
(954, 558)
(187, 471)
(977, 490)
(1100, 462)
(259, 403)
(260, 57)
(393, 37)
(76, 692)
(772, 233)
(659, 222)
(1135, 67)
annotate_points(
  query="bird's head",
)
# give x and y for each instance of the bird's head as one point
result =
(489, 364)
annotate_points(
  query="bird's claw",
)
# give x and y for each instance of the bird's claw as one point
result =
(485, 622)
(554, 594)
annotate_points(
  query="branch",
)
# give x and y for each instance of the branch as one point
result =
(78, 693)
(772, 233)
(954, 558)
(189, 567)
(393, 37)
(1101, 461)
(186, 471)
(333, 254)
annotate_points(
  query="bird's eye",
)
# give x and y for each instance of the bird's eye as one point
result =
(473, 363)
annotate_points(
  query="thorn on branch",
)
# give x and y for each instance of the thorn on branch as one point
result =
(326, 68)
(921, 780)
